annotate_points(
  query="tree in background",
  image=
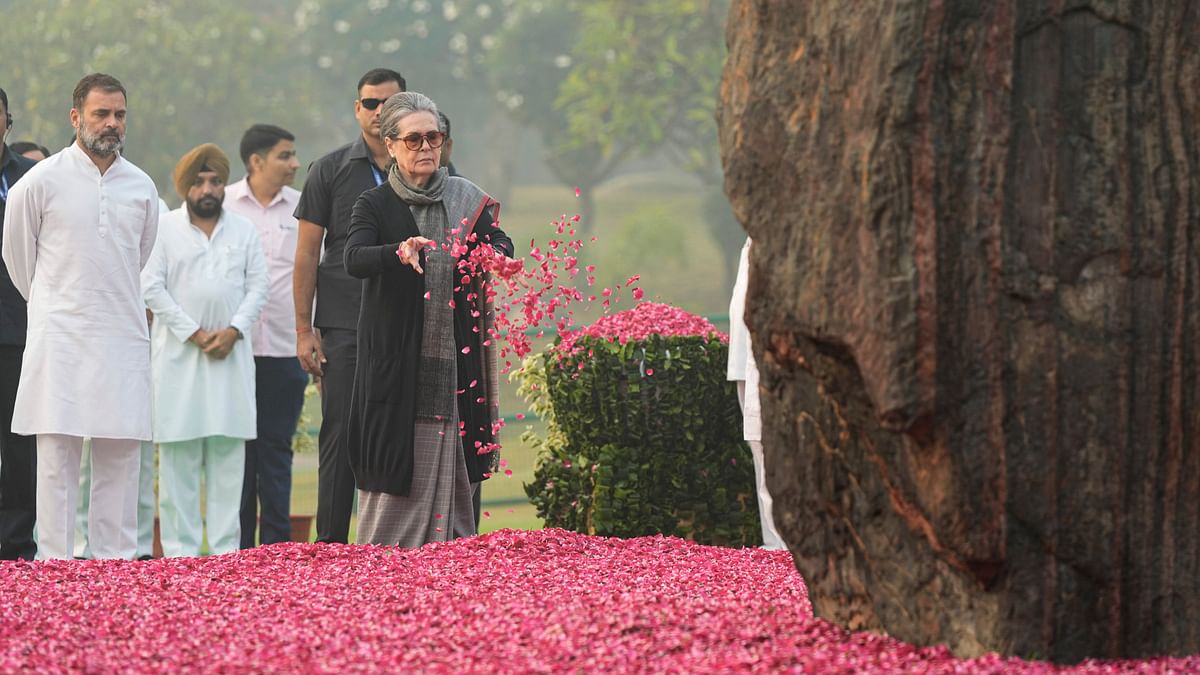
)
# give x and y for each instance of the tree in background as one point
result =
(439, 47)
(528, 69)
(598, 82)
(646, 74)
(196, 70)
(575, 88)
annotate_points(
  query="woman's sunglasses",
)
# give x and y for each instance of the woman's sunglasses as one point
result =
(414, 141)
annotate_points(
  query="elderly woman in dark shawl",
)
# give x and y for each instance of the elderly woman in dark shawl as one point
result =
(424, 398)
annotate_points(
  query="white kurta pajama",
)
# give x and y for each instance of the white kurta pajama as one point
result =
(204, 407)
(74, 242)
(147, 502)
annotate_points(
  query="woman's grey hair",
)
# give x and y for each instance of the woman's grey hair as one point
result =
(401, 105)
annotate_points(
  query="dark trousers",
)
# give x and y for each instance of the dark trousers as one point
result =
(18, 467)
(279, 390)
(335, 482)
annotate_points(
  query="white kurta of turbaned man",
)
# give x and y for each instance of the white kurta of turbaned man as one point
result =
(195, 282)
(74, 242)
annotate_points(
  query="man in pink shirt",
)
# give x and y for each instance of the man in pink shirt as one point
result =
(266, 197)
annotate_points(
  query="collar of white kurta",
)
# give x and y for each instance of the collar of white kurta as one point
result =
(84, 161)
(182, 219)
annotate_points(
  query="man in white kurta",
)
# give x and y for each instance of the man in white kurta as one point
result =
(744, 371)
(146, 500)
(78, 229)
(206, 283)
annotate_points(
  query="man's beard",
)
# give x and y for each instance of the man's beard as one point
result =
(205, 207)
(103, 144)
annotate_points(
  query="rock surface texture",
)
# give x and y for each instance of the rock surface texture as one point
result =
(974, 300)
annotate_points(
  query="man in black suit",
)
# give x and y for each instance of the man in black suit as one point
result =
(325, 340)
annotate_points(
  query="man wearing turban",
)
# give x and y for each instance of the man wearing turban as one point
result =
(206, 283)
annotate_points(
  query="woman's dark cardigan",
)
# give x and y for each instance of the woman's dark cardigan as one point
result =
(383, 399)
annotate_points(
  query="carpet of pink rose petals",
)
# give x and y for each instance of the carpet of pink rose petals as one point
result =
(549, 601)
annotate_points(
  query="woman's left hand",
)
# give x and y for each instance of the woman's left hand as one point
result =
(410, 251)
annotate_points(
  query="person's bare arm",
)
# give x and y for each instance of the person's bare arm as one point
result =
(304, 289)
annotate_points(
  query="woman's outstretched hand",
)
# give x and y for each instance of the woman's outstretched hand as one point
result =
(410, 251)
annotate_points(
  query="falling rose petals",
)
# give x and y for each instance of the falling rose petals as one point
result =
(527, 295)
(578, 192)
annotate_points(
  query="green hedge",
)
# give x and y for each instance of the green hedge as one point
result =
(643, 438)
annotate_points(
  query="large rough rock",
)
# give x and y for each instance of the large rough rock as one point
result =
(974, 300)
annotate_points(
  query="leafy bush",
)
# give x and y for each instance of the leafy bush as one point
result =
(644, 432)
(562, 489)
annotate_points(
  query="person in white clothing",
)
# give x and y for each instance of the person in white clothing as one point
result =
(744, 371)
(265, 197)
(78, 229)
(206, 283)
(146, 500)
